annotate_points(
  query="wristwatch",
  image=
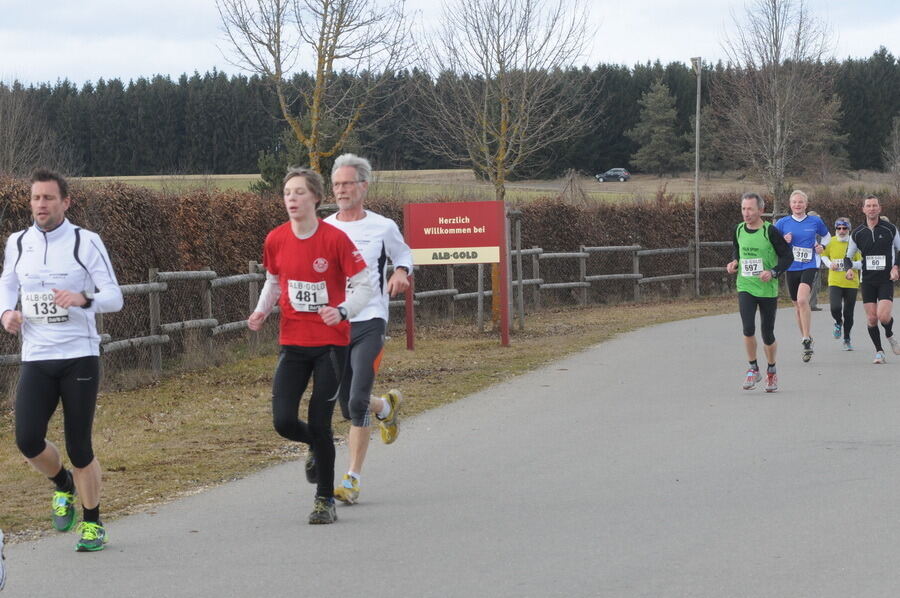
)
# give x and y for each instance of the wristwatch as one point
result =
(88, 297)
(343, 311)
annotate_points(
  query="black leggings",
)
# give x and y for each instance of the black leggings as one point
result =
(42, 384)
(843, 301)
(295, 367)
(768, 306)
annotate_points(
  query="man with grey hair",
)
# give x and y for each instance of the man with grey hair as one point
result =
(378, 239)
(760, 255)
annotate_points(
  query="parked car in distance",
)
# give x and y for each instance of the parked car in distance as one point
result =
(613, 174)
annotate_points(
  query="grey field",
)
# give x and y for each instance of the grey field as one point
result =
(636, 468)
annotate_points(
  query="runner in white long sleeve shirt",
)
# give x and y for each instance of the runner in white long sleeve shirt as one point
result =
(61, 276)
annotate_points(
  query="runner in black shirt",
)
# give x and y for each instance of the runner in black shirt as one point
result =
(878, 241)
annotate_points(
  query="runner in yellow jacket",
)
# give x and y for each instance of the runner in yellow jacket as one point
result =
(841, 292)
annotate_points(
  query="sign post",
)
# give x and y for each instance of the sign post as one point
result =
(470, 232)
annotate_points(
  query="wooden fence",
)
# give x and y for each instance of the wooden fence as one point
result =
(158, 283)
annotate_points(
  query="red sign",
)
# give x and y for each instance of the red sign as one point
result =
(469, 232)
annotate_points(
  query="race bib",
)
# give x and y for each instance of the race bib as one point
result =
(751, 266)
(839, 265)
(39, 308)
(803, 254)
(307, 296)
(876, 262)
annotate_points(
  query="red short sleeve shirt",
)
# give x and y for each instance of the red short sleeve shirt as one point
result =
(312, 273)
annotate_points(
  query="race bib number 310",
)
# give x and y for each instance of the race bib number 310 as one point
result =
(803, 254)
(39, 308)
(307, 296)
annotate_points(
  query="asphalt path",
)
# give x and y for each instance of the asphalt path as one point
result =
(636, 468)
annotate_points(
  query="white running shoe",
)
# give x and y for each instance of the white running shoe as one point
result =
(2, 564)
(879, 357)
(751, 379)
(895, 345)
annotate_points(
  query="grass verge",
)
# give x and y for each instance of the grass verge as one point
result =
(194, 430)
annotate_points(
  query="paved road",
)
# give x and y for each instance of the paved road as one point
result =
(636, 468)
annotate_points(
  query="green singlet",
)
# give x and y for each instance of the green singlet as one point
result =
(755, 254)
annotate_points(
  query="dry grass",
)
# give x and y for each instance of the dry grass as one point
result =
(199, 429)
(456, 184)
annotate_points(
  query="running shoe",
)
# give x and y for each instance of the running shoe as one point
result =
(389, 430)
(847, 345)
(323, 511)
(93, 537)
(63, 510)
(348, 491)
(807, 349)
(837, 330)
(312, 475)
(2, 564)
(752, 378)
(771, 382)
(895, 345)
(879, 357)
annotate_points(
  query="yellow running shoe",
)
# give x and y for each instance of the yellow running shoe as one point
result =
(348, 490)
(388, 426)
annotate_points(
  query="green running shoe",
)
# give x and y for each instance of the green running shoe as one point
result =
(63, 506)
(93, 537)
(323, 511)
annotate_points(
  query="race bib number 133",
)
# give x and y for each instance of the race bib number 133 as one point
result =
(39, 308)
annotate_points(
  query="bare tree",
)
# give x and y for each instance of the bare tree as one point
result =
(775, 100)
(362, 39)
(892, 154)
(498, 93)
(26, 140)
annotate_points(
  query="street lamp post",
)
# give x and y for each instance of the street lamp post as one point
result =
(697, 63)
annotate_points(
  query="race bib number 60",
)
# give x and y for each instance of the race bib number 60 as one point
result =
(307, 296)
(39, 308)
(875, 262)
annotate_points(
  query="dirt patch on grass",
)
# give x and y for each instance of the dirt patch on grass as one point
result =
(199, 429)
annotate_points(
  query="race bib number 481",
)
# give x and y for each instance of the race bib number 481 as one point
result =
(39, 308)
(307, 296)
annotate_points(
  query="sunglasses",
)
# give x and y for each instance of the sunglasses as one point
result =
(842, 227)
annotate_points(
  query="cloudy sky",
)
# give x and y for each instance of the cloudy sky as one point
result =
(86, 40)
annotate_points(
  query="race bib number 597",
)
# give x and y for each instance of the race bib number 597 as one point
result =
(39, 308)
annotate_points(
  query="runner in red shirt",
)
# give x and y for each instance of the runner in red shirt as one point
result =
(307, 265)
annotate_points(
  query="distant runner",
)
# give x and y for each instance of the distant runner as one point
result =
(760, 255)
(800, 230)
(841, 292)
(878, 242)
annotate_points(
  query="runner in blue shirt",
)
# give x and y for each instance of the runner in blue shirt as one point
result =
(801, 231)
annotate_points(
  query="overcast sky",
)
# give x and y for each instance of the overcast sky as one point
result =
(89, 39)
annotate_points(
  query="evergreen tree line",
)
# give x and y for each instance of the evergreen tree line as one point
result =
(219, 124)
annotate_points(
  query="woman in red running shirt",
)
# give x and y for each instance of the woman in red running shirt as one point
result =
(307, 265)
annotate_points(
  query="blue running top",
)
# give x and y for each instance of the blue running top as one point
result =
(803, 239)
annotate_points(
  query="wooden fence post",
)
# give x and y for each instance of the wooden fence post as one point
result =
(480, 299)
(254, 299)
(155, 350)
(636, 261)
(536, 274)
(451, 304)
(582, 264)
(520, 298)
(207, 311)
